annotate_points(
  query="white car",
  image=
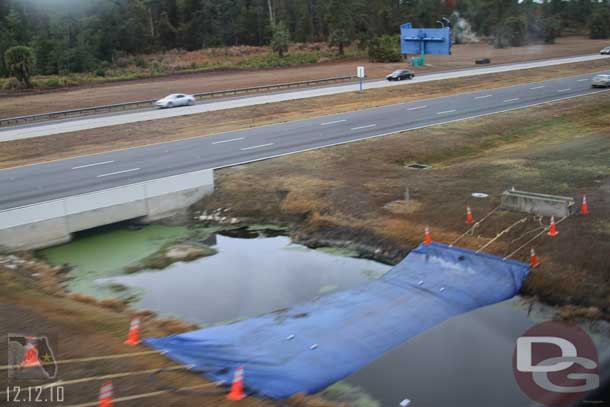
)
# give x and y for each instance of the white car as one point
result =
(176, 99)
(601, 81)
(605, 51)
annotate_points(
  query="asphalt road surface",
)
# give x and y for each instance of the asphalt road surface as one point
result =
(113, 119)
(43, 182)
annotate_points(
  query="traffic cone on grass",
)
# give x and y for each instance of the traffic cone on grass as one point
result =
(533, 259)
(427, 237)
(584, 208)
(237, 388)
(469, 217)
(553, 228)
(133, 337)
(105, 399)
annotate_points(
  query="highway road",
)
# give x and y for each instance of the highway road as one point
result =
(42, 182)
(112, 119)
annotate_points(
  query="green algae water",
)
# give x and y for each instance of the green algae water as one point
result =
(106, 252)
(247, 277)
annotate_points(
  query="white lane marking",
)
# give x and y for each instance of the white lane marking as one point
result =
(537, 87)
(446, 111)
(512, 109)
(583, 80)
(368, 126)
(511, 100)
(92, 165)
(229, 141)
(118, 172)
(259, 146)
(564, 90)
(417, 107)
(483, 97)
(333, 122)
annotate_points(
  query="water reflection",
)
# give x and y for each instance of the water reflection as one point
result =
(247, 277)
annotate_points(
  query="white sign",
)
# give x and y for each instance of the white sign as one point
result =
(360, 72)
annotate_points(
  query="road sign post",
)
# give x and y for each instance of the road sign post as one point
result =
(361, 76)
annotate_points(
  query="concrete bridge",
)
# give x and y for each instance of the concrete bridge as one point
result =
(53, 222)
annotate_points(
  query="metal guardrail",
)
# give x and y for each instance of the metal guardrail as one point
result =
(147, 103)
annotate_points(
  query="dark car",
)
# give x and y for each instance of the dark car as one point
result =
(400, 74)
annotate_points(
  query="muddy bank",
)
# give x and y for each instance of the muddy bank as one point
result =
(170, 254)
(83, 329)
(346, 196)
(182, 245)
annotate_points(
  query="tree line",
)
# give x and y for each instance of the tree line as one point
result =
(77, 36)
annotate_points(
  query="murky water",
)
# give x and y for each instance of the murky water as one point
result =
(106, 252)
(247, 277)
(465, 361)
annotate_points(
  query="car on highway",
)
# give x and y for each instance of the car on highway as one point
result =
(605, 51)
(601, 81)
(400, 74)
(174, 100)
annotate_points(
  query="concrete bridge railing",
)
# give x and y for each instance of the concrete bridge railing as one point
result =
(53, 222)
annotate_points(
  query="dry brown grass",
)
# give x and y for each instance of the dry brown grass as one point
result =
(138, 134)
(84, 329)
(463, 56)
(346, 194)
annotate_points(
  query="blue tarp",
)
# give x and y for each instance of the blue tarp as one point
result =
(315, 344)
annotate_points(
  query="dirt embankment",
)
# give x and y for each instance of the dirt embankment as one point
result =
(354, 194)
(32, 302)
(463, 56)
(138, 134)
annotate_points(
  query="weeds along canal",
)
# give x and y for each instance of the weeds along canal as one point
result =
(211, 275)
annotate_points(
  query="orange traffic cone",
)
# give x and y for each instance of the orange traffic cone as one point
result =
(133, 337)
(237, 388)
(469, 217)
(105, 399)
(553, 229)
(30, 358)
(584, 208)
(427, 237)
(533, 259)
